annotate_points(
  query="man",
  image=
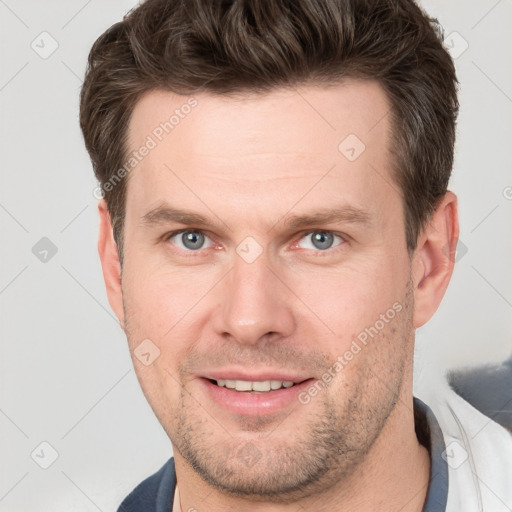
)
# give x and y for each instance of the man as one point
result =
(275, 225)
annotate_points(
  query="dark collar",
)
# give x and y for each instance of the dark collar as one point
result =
(429, 435)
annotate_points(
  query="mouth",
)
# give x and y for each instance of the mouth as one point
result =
(254, 398)
(254, 386)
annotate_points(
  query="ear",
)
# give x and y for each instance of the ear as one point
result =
(107, 249)
(434, 259)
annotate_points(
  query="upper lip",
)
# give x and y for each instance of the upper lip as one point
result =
(255, 376)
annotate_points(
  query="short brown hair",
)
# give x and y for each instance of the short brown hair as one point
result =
(237, 46)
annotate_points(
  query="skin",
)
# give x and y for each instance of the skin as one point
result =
(248, 164)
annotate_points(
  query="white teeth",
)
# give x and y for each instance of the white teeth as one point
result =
(260, 386)
(243, 385)
(275, 384)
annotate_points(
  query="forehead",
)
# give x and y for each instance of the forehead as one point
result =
(319, 114)
(270, 145)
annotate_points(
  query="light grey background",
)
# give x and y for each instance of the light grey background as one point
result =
(66, 375)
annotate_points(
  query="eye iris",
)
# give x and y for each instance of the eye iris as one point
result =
(322, 240)
(192, 240)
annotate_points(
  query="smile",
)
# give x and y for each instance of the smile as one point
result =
(263, 386)
(253, 398)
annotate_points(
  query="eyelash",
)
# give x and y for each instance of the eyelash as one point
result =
(318, 252)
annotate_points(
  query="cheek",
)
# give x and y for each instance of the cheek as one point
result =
(161, 302)
(346, 300)
(156, 306)
(371, 320)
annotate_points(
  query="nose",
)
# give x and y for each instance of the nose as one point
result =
(255, 303)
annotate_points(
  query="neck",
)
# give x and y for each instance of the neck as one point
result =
(393, 476)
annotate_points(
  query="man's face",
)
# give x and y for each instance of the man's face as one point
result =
(250, 294)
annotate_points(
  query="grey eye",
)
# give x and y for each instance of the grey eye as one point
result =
(322, 240)
(190, 240)
(319, 240)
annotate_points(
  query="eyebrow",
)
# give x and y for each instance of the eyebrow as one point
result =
(165, 214)
(346, 214)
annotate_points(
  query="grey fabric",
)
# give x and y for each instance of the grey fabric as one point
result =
(156, 493)
(488, 389)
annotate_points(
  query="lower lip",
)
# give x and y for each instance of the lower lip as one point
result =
(252, 404)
